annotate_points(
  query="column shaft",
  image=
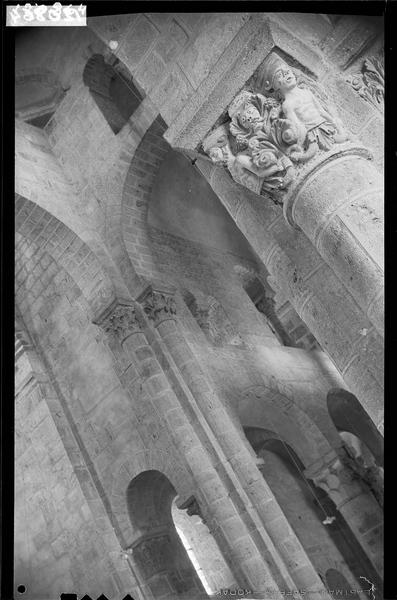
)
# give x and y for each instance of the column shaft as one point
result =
(252, 569)
(357, 505)
(338, 204)
(249, 487)
(318, 296)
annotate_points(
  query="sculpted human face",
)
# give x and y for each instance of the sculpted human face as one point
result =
(218, 153)
(249, 116)
(268, 159)
(284, 79)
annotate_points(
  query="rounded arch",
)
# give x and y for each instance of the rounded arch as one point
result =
(129, 467)
(51, 235)
(56, 196)
(38, 92)
(157, 550)
(261, 406)
(336, 581)
(116, 96)
(149, 498)
(265, 439)
(127, 187)
(348, 414)
(138, 184)
(304, 505)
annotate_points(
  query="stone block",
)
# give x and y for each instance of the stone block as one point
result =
(279, 529)
(177, 33)
(233, 529)
(293, 553)
(353, 110)
(216, 31)
(153, 69)
(192, 20)
(137, 41)
(160, 20)
(171, 95)
(372, 135)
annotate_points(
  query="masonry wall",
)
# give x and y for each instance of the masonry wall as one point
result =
(105, 424)
(93, 220)
(60, 519)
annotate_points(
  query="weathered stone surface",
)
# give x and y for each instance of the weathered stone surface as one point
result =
(176, 338)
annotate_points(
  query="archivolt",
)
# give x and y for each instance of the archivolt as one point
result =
(262, 406)
(130, 465)
(68, 249)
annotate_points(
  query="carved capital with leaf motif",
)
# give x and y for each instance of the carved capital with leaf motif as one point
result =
(119, 320)
(159, 304)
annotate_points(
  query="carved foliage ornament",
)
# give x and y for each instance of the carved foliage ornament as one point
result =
(370, 83)
(267, 136)
(159, 306)
(121, 322)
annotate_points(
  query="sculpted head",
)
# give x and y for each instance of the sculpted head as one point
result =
(249, 116)
(243, 111)
(283, 80)
(268, 159)
(277, 75)
(217, 145)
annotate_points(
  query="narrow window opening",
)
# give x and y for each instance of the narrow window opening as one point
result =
(116, 96)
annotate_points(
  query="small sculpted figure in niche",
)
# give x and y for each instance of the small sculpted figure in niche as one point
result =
(313, 126)
(267, 175)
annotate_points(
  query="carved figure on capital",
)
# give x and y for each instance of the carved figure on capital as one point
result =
(315, 126)
(262, 171)
(267, 134)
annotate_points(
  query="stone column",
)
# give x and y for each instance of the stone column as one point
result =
(274, 536)
(355, 502)
(164, 565)
(254, 564)
(310, 285)
(266, 305)
(337, 201)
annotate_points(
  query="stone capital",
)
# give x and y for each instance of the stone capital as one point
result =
(158, 303)
(192, 507)
(153, 553)
(338, 479)
(119, 320)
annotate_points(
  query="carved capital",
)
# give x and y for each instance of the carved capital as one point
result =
(158, 304)
(269, 137)
(153, 554)
(339, 480)
(119, 320)
(192, 507)
(369, 83)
